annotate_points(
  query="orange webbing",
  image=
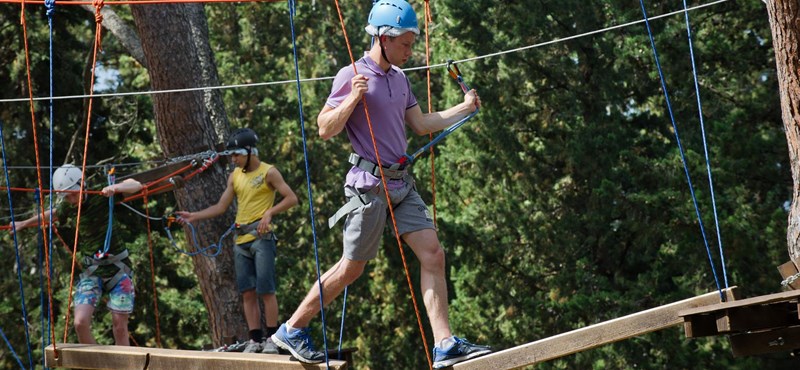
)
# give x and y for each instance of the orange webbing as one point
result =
(98, 5)
(38, 165)
(152, 269)
(386, 192)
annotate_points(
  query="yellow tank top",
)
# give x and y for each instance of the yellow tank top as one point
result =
(253, 197)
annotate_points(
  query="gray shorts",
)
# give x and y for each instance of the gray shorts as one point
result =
(364, 226)
(255, 266)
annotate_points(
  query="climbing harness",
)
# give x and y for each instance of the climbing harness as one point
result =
(92, 263)
(395, 172)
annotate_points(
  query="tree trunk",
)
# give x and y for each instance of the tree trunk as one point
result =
(784, 19)
(175, 42)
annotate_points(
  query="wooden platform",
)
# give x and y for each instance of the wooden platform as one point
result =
(593, 336)
(90, 356)
(758, 325)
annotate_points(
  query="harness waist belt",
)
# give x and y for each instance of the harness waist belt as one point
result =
(395, 172)
(122, 269)
(252, 229)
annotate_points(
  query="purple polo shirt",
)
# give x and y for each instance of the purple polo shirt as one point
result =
(388, 97)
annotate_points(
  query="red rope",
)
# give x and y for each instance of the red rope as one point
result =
(152, 270)
(386, 193)
(38, 164)
(98, 5)
(139, 2)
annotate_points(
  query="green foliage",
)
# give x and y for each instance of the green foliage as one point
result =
(565, 194)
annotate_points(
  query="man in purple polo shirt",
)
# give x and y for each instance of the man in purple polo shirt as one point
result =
(392, 106)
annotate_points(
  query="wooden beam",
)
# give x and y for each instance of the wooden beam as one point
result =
(92, 356)
(593, 336)
(770, 341)
(764, 299)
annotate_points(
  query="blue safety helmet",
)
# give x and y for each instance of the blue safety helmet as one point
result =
(395, 14)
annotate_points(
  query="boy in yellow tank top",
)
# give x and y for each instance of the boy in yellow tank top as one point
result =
(253, 183)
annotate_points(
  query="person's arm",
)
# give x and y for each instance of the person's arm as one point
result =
(31, 222)
(275, 180)
(223, 203)
(128, 186)
(427, 123)
(331, 120)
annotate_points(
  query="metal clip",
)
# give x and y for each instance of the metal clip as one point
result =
(777, 342)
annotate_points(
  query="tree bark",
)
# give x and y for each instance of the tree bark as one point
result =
(784, 20)
(175, 43)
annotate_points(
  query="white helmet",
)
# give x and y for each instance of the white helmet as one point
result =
(66, 177)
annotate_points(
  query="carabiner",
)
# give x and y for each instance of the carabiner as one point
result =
(455, 73)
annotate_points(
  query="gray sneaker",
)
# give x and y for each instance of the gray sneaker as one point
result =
(269, 347)
(253, 347)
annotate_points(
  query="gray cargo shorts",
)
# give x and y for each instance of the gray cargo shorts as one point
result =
(364, 226)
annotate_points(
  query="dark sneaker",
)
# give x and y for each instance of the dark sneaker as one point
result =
(253, 347)
(460, 350)
(269, 347)
(298, 344)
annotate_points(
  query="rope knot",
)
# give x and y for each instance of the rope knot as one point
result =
(98, 5)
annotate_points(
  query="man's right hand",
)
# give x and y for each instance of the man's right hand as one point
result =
(358, 86)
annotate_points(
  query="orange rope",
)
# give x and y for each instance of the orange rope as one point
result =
(38, 164)
(152, 270)
(98, 5)
(429, 19)
(386, 192)
(46, 191)
(139, 2)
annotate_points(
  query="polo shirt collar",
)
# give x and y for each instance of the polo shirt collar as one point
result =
(374, 67)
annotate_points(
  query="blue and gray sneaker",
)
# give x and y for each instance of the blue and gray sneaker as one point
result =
(299, 344)
(460, 350)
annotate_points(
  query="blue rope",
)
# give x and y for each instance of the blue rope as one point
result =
(16, 252)
(3, 334)
(50, 5)
(198, 250)
(292, 10)
(341, 327)
(680, 148)
(705, 144)
(408, 159)
(110, 227)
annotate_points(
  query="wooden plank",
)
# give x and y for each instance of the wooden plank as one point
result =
(593, 336)
(92, 356)
(771, 341)
(788, 269)
(791, 295)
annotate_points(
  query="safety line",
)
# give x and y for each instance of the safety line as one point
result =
(50, 6)
(429, 19)
(316, 79)
(152, 269)
(16, 253)
(705, 146)
(38, 172)
(680, 147)
(292, 10)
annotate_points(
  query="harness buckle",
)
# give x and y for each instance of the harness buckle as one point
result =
(99, 255)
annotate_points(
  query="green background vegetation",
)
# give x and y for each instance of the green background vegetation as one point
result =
(564, 203)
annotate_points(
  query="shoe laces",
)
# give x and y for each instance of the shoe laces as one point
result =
(305, 337)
